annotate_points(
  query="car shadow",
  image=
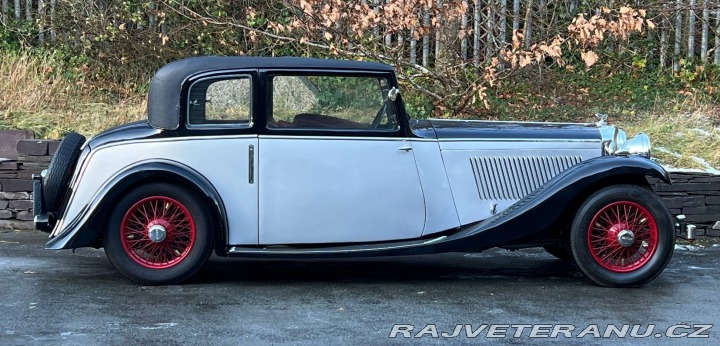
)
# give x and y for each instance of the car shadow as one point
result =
(442, 267)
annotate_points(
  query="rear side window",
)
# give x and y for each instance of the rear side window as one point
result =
(220, 102)
(332, 102)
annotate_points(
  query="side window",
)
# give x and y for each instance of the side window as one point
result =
(220, 102)
(332, 103)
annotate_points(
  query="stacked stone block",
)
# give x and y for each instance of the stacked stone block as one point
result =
(20, 161)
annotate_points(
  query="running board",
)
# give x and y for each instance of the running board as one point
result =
(412, 247)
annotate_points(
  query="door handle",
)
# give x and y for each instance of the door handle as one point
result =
(405, 148)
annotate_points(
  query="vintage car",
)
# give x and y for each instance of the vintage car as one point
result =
(298, 157)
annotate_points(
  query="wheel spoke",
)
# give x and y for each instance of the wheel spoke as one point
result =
(174, 219)
(607, 224)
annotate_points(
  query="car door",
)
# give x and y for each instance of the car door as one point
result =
(333, 167)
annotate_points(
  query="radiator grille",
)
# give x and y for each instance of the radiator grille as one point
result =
(511, 178)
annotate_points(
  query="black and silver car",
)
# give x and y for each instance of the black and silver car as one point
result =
(299, 157)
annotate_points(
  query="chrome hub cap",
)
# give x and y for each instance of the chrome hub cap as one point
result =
(157, 233)
(625, 238)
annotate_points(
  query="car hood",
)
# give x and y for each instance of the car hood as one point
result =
(508, 130)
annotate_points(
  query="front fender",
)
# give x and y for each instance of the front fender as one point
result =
(541, 209)
(83, 230)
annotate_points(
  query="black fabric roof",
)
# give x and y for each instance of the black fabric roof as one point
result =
(165, 87)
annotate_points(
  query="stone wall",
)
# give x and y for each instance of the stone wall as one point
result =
(696, 195)
(22, 159)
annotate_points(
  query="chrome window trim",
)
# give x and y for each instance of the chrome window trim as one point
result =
(219, 77)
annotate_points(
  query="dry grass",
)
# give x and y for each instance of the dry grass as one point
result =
(682, 139)
(34, 96)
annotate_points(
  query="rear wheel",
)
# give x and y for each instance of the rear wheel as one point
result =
(622, 236)
(158, 234)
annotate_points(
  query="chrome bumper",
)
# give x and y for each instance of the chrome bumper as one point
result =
(684, 230)
(41, 217)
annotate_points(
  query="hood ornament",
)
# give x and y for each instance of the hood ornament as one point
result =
(602, 119)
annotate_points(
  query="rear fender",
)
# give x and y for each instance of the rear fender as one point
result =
(86, 228)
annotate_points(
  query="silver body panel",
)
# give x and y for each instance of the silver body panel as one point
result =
(461, 158)
(326, 189)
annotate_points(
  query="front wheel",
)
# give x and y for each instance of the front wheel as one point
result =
(158, 234)
(622, 236)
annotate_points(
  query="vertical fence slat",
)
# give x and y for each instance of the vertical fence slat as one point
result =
(438, 33)
(705, 31)
(503, 22)
(41, 20)
(490, 30)
(426, 39)
(663, 43)
(516, 16)
(691, 30)
(678, 36)
(413, 47)
(476, 33)
(53, 34)
(716, 57)
(527, 31)
(464, 40)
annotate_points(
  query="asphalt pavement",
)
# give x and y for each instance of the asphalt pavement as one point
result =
(61, 297)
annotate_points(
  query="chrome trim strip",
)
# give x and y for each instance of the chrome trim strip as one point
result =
(512, 122)
(562, 140)
(238, 250)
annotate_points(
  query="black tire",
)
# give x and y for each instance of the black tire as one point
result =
(603, 217)
(559, 251)
(60, 170)
(183, 257)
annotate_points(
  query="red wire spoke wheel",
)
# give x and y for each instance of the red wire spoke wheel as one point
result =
(157, 232)
(622, 236)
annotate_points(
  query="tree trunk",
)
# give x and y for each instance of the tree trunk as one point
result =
(705, 32)
(17, 9)
(516, 16)
(490, 31)
(41, 21)
(5, 7)
(464, 40)
(691, 31)
(503, 22)
(678, 36)
(476, 33)
(28, 9)
(527, 31)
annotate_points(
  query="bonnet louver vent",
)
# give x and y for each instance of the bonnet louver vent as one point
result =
(512, 178)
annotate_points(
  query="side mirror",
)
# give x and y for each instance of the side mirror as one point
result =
(393, 94)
